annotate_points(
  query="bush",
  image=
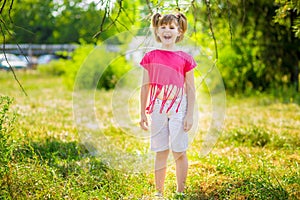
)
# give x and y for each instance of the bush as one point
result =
(74, 64)
(6, 126)
(101, 69)
(113, 73)
(89, 68)
(6, 144)
(54, 68)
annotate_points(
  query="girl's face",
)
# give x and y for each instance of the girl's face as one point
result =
(168, 34)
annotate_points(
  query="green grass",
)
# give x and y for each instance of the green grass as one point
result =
(256, 157)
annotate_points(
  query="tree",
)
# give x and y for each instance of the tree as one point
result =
(257, 40)
(288, 16)
(260, 54)
(76, 21)
(32, 21)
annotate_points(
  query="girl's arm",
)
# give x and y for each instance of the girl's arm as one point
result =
(190, 92)
(143, 100)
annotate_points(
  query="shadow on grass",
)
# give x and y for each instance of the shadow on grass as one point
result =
(53, 148)
(67, 158)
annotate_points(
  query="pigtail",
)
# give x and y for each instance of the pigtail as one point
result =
(155, 24)
(182, 22)
(155, 20)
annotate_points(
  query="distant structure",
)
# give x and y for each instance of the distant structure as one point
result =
(138, 46)
(36, 49)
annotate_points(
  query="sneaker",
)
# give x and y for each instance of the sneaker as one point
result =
(179, 195)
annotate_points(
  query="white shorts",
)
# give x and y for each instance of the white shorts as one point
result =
(167, 128)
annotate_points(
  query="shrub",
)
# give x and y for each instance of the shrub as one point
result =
(74, 64)
(6, 144)
(6, 125)
(101, 69)
(113, 73)
(54, 68)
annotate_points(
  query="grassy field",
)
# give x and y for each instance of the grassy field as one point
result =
(257, 155)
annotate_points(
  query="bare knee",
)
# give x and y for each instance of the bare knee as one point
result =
(179, 155)
(161, 160)
(162, 154)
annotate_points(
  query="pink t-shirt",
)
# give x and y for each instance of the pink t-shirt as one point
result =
(166, 70)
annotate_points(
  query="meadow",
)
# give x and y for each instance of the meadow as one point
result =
(257, 155)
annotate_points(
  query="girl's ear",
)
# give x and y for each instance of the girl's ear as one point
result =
(178, 36)
(179, 32)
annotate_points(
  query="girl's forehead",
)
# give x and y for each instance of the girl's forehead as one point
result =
(170, 23)
(168, 20)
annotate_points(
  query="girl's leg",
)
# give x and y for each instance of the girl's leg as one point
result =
(181, 169)
(161, 169)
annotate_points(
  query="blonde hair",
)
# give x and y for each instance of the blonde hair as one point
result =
(179, 19)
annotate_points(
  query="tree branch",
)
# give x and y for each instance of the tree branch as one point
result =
(4, 28)
(229, 21)
(149, 7)
(10, 67)
(211, 27)
(107, 14)
(207, 2)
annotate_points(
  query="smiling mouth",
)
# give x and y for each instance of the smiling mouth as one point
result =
(167, 37)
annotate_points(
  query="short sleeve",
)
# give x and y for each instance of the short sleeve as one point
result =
(189, 64)
(145, 61)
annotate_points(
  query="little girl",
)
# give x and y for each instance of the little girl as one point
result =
(168, 96)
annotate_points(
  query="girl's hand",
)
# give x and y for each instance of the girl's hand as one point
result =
(144, 122)
(188, 123)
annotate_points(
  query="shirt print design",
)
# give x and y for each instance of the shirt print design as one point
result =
(166, 71)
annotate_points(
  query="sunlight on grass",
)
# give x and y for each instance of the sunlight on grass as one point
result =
(255, 157)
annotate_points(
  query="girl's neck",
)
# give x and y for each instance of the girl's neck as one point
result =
(168, 47)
